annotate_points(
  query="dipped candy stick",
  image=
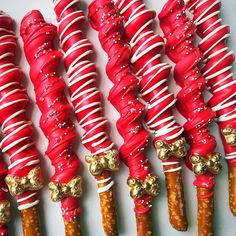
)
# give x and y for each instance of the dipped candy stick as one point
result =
(24, 176)
(65, 185)
(86, 99)
(143, 184)
(220, 81)
(5, 213)
(146, 49)
(201, 158)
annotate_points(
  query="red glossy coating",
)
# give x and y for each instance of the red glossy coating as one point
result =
(178, 31)
(105, 19)
(38, 37)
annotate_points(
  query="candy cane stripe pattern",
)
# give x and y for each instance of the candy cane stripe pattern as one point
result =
(65, 185)
(86, 99)
(17, 141)
(220, 81)
(146, 49)
(201, 158)
(105, 18)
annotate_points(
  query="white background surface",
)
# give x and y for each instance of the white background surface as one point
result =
(51, 220)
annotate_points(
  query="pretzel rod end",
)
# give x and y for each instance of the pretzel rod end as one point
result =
(232, 189)
(175, 195)
(205, 211)
(30, 221)
(144, 223)
(107, 204)
(72, 228)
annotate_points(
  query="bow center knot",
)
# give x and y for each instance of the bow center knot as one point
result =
(19, 185)
(148, 186)
(60, 191)
(98, 163)
(210, 163)
(166, 150)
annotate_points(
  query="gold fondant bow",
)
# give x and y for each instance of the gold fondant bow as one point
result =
(149, 186)
(211, 163)
(59, 191)
(5, 213)
(99, 163)
(165, 150)
(18, 185)
(230, 135)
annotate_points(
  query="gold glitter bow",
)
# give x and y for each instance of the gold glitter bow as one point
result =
(18, 185)
(59, 191)
(149, 186)
(230, 135)
(211, 163)
(5, 213)
(108, 161)
(166, 150)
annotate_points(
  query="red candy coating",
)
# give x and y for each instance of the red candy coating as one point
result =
(17, 142)
(145, 57)
(178, 30)
(105, 19)
(217, 67)
(38, 37)
(85, 96)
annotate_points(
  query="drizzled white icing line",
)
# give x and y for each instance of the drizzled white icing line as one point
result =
(22, 199)
(15, 163)
(4, 190)
(230, 156)
(217, 63)
(173, 170)
(27, 205)
(170, 164)
(106, 187)
(89, 78)
(191, 5)
(228, 116)
(71, 23)
(200, 20)
(122, 11)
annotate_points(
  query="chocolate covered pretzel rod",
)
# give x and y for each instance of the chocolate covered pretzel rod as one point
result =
(220, 81)
(143, 184)
(146, 49)
(65, 186)
(201, 158)
(24, 175)
(86, 99)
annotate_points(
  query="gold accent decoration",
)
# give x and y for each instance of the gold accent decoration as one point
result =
(5, 212)
(166, 150)
(211, 163)
(230, 136)
(149, 186)
(59, 191)
(19, 185)
(99, 163)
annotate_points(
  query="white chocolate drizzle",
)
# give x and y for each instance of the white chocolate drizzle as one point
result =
(171, 163)
(106, 187)
(204, 16)
(80, 95)
(152, 124)
(13, 88)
